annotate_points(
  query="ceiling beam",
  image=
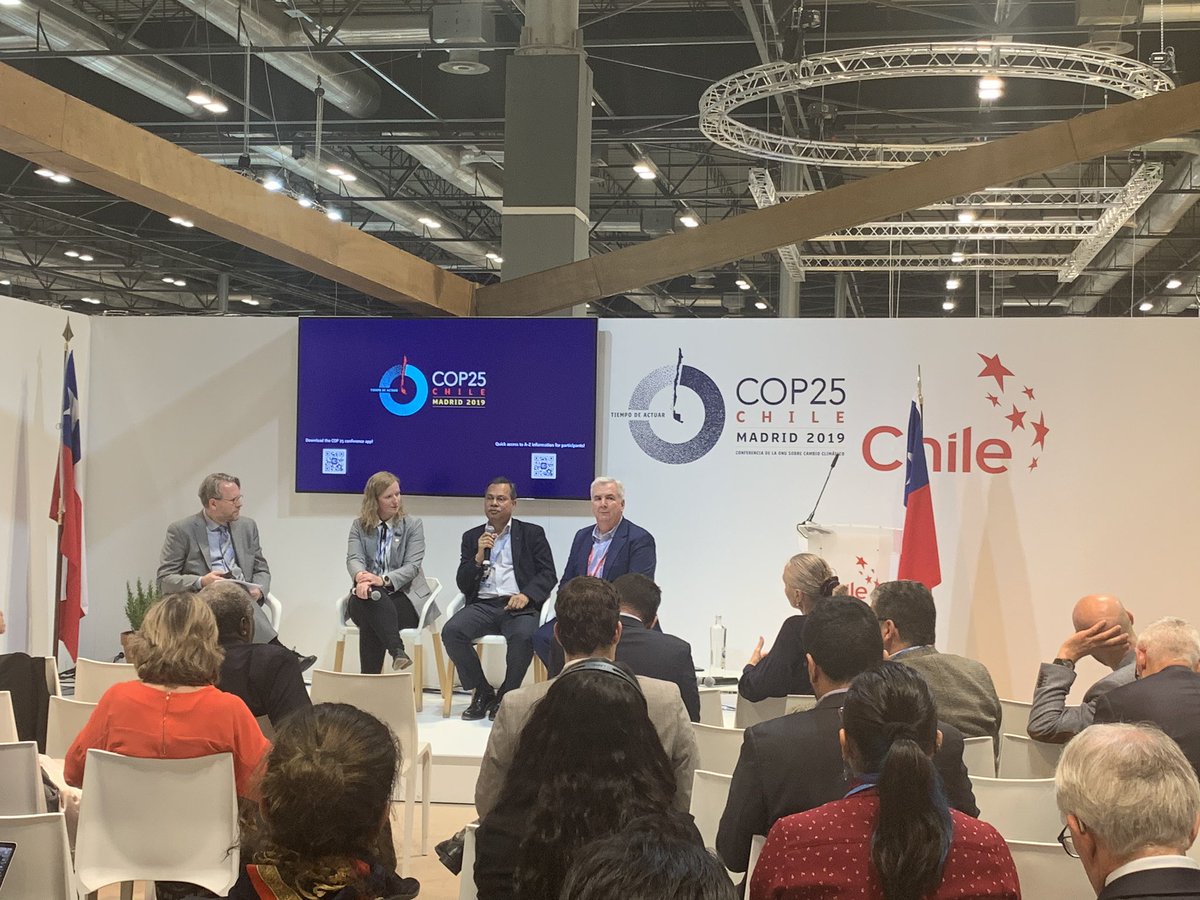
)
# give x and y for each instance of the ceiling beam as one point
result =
(53, 129)
(869, 200)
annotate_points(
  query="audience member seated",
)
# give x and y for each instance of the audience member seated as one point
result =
(1103, 631)
(892, 836)
(173, 711)
(794, 763)
(1132, 805)
(963, 689)
(588, 627)
(651, 859)
(807, 579)
(266, 676)
(649, 652)
(590, 763)
(1167, 692)
(325, 796)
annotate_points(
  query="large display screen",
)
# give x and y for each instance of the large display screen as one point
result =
(446, 404)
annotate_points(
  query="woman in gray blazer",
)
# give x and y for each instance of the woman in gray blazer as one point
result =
(383, 556)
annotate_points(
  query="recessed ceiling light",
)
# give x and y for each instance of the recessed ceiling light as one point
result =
(304, 201)
(1173, 283)
(273, 183)
(688, 220)
(216, 107)
(494, 257)
(339, 172)
(71, 253)
(199, 96)
(967, 215)
(953, 283)
(181, 221)
(5, 282)
(948, 305)
(429, 222)
(86, 257)
(334, 214)
(91, 300)
(179, 282)
(60, 179)
(170, 279)
(742, 284)
(957, 256)
(250, 301)
(1145, 306)
(760, 304)
(45, 173)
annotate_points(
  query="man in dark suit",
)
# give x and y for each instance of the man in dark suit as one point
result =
(652, 653)
(794, 763)
(612, 547)
(1167, 690)
(506, 572)
(1132, 804)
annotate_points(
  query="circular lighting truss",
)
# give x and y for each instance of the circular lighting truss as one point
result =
(919, 60)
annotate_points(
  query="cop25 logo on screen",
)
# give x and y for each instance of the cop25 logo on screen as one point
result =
(404, 389)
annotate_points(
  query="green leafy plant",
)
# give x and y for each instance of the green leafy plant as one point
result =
(138, 601)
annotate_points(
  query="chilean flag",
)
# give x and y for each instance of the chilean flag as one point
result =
(918, 548)
(65, 502)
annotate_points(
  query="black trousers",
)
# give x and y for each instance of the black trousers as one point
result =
(379, 623)
(490, 617)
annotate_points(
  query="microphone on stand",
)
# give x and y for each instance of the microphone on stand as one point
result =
(807, 525)
(487, 551)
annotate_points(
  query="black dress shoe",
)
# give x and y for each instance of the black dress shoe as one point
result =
(306, 662)
(494, 708)
(480, 703)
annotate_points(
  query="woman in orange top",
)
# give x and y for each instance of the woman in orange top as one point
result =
(173, 711)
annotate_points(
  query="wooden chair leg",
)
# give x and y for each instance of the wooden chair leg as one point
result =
(448, 696)
(539, 670)
(439, 660)
(419, 675)
(339, 653)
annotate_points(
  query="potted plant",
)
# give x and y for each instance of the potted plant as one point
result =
(137, 602)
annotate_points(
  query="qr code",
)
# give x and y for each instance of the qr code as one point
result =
(333, 461)
(544, 465)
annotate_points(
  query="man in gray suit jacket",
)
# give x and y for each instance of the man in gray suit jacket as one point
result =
(588, 627)
(1104, 631)
(218, 543)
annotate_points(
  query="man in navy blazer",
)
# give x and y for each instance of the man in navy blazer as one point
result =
(651, 653)
(612, 547)
(506, 572)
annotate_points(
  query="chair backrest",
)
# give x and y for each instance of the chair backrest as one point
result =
(93, 678)
(1014, 716)
(1023, 757)
(456, 604)
(718, 748)
(21, 792)
(388, 697)
(798, 703)
(710, 793)
(435, 590)
(157, 820)
(979, 756)
(466, 878)
(273, 609)
(1021, 809)
(1045, 870)
(41, 864)
(8, 721)
(756, 848)
(747, 713)
(64, 721)
(711, 711)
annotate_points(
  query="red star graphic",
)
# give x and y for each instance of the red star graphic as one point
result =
(1017, 417)
(867, 579)
(1028, 392)
(1040, 431)
(995, 400)
(1033, 465)
(860, 562)
(993, 368)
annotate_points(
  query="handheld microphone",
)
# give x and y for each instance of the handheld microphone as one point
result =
(487, 551)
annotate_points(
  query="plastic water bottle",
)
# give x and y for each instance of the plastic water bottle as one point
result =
(716, 644)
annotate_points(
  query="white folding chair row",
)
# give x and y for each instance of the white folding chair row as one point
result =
(1045, 870)
(798, 703)
(466, 877)
(711, 711)
(756, 848)
(8, 721)
(1014, 716)
(748, 713)
(979, 756)
(1023, 757)
(1021, 809)
(64, 720)
(717, 748)
(93, 678)
(710, 793)
(456, 604)
(41, 864)
(21, 792)
(390, 699)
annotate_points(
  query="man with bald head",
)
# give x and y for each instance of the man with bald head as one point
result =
(1103, 631)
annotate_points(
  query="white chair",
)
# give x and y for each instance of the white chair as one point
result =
(756, 848)
(388, 698)
(93, 678)
(710, 793)
(717, 748)
(8, 721)
(64, 721)
(711, 712)
(979, 756)
(41, 866)
(273, 610)
(798, 703)
(547, 613)
(456, 604)
(412, 637)
(157, 820)
(1194, 850)
(1045, 870)
(21, 791)
(746, 713)
(1014, 716)
(466, 878)
(1021, 809)
(1023, 757)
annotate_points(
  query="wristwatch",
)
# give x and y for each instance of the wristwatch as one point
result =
(1065, 663)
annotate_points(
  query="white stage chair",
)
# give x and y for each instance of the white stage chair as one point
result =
(21, 791)
(64, 720)
(756, 848)
(456, 604)
(746, 713)
(157, 820)
(388, 698)
(412, 637)
(711, 712)
(1021, 809)
(8, 721)
(1045, 870)
(1014, 716)
(979, 756)
(93, 678)
(798, 703)
(718, 748)
(710, 793)
(274, 610)
(466, 878)
(41, 867)
(1023, 757)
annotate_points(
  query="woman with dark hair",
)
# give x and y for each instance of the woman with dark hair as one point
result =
(325, 796)
(807, 580)
(892, 836)
(384, 553)
(588, 762)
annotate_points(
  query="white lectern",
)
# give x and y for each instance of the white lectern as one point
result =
(861, 555)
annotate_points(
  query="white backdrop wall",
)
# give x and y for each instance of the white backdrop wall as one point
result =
(1109, 506)
(31, 361)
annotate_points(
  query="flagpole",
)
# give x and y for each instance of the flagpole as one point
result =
(62, 507)
(920, 395)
